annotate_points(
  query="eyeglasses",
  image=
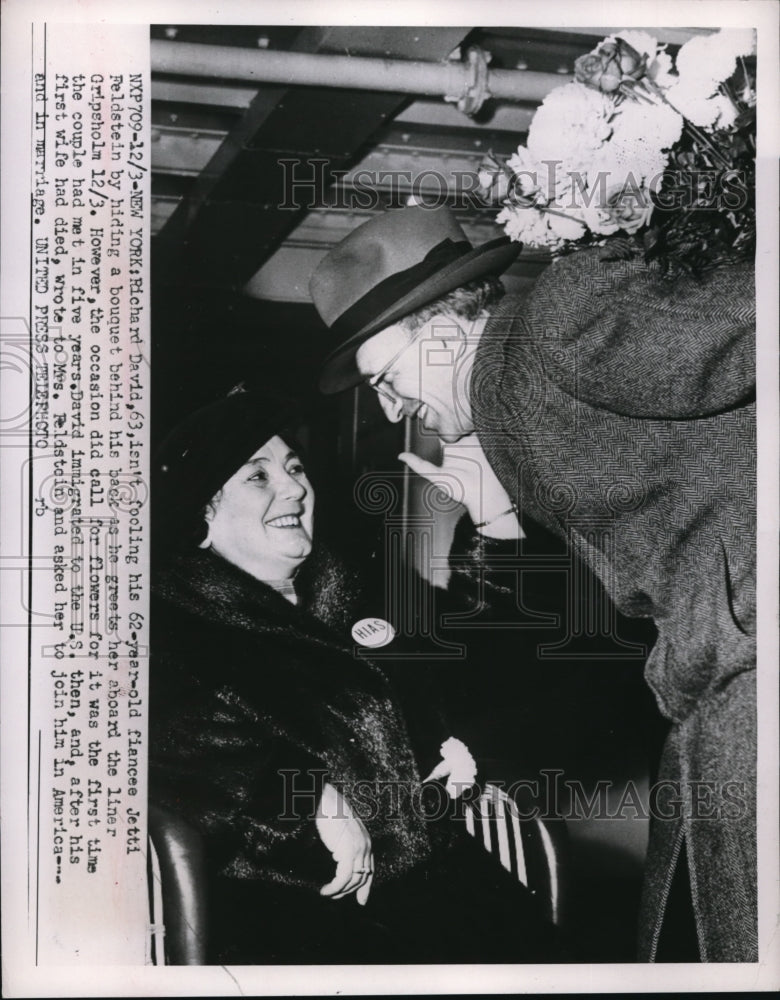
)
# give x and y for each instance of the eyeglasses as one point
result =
(381, 376)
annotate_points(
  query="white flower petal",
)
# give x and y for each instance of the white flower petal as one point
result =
(713, 57)
(572, 120)
(654, 124)
(701, 110)
(565, 228)
(462, 766)
(660, 71)
(642, 41)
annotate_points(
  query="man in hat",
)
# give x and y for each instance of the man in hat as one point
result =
(618, 410)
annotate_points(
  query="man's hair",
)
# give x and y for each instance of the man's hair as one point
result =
(466, 302)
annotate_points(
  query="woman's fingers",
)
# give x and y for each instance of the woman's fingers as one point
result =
(347, 839)
(368, 863)
(338, 886)
(355, 881)
(365, 889)
(363, 870)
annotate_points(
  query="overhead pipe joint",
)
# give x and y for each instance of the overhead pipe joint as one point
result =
(475, 89)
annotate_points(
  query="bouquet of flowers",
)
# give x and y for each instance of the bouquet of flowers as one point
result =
(638, 154)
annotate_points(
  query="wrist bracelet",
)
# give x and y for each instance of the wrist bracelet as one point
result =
(490, 520)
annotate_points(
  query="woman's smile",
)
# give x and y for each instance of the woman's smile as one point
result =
(285, 521)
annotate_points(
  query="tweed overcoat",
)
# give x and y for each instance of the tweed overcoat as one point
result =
(619, 410)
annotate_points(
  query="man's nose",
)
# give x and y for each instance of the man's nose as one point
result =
(393, 408)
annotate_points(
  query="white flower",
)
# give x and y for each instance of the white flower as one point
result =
(706, 112)
(693, 104)
(565, 228)
(657, 125)
(526, 171)
(457, 766)
(707, 60)
(519, 223)
(660, 71)
(599, 220)
(537, 228)
(633, 162)
(624, 205)
(570, 124)
(640, 142)
(727, 113)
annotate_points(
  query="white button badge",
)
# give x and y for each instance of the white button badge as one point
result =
(373, 632)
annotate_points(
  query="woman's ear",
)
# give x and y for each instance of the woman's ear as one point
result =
(208, 516)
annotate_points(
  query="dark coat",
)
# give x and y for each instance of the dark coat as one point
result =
(619, 411)
(247, 688)
(246, 685)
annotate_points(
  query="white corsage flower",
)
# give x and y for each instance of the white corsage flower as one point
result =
(457, 766)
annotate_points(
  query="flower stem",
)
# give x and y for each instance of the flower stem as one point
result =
(695, 132)
(518, 203)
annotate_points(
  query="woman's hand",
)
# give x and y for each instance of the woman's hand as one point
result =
(347, 839)
(466, 475)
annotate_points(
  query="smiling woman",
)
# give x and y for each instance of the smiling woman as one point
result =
(289, 754)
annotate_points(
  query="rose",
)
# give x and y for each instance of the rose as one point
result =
(658, 62)
(623, 205)
(632, 63)
(613, 62)
(629, 207)
(600, 69)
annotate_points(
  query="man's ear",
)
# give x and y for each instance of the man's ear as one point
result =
(450, 329)
(445, 325)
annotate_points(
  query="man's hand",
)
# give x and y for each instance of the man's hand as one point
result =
(465, 475)
(347, 839)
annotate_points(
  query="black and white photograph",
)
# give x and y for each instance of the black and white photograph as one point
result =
(390, 544)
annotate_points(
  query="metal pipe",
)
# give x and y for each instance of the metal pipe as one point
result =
(443, 79)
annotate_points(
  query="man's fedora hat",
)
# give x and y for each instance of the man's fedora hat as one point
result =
(388, 267)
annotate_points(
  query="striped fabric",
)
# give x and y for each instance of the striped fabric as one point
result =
(495, 819)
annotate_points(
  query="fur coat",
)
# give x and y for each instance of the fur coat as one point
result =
(254, 703)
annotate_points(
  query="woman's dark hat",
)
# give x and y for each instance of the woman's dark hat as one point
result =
(205, 450)
(387, 268)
